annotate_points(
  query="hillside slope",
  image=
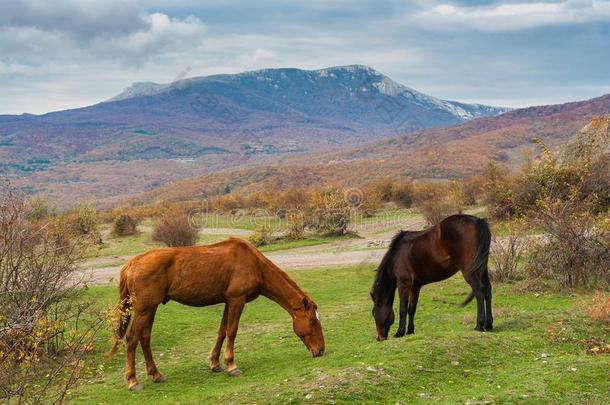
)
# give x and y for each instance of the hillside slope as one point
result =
(458, 151)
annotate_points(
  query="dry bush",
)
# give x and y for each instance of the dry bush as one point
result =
(329, 213)
(42, 353)
(39, 209)
(262, 236)
(174, 228)
(508, 252)
(498, 193)
(402, 193)
(83, 222)
(473, 190)
(575, 250)
(437, 201)
(124, 225)
(384, 188)
(226, 203)
(371, 200)
(599, 308)
(296, 224)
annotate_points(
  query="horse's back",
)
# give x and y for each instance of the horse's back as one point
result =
(195, 275)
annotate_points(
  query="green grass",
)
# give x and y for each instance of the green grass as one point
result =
(141, 242)
(444, 362)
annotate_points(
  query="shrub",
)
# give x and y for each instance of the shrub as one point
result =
(124, 225)
(507, 252)
(498, 193)
(473, 188)
(38, 210)
(575, 251)
(296, 225)
(42, 355)
(599, 308)
(402, 193)
(82, 222)
(174, 228)
(368, 200)
(329, 213)
(262, 236)
(436, 201)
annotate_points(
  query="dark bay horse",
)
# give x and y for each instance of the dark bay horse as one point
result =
(414, 259)
(232, 272)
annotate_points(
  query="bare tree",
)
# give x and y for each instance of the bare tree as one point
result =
(40, 282)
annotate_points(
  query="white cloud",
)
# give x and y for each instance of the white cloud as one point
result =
(161, 34)
(258, 58)
(512, 16)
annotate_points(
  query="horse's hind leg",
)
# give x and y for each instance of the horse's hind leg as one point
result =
(133, 337)
(235, 307)
(222, 333)
(487, 287)
(151, 367)
(478, 290)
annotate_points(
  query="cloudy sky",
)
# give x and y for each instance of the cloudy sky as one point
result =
(68, 53)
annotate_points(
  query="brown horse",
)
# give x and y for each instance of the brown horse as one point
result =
(414, 259)
(232, 272)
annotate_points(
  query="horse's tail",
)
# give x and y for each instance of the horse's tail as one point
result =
(481, 257)
(124, 309)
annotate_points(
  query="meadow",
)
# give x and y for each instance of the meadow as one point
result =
(537, 352)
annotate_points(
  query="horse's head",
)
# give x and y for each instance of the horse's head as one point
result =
(306, 325)
(383, 312)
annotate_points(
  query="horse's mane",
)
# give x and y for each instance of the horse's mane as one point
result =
(383, 281)
(284, 275)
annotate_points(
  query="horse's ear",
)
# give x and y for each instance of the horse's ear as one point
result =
(305, 303)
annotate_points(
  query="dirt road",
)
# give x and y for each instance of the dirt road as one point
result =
(364, 251)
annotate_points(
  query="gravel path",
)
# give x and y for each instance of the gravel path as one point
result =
(353, 252)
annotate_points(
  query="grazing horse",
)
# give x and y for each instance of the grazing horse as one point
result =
(232, 272)
(414, 259)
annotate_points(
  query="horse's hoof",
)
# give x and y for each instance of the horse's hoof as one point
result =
(479, 329)
(136, 387)
(235, 372)
(217, 368)
(410, 332)
(399, 334)
(159, 379)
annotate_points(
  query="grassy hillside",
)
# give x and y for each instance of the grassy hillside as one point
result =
(444, 362)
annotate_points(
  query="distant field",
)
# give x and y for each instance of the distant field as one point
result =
(444, 362)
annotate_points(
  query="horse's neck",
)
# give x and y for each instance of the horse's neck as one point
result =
(278, 288)
(387, 288)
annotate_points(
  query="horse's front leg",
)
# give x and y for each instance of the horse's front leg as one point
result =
(413, 297)
(235, 308)
(222, 333)
(403, 293)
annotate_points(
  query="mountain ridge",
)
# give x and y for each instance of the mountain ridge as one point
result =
(385, 85)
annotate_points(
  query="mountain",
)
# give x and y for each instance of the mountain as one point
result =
(154, 133)
(268, 111)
